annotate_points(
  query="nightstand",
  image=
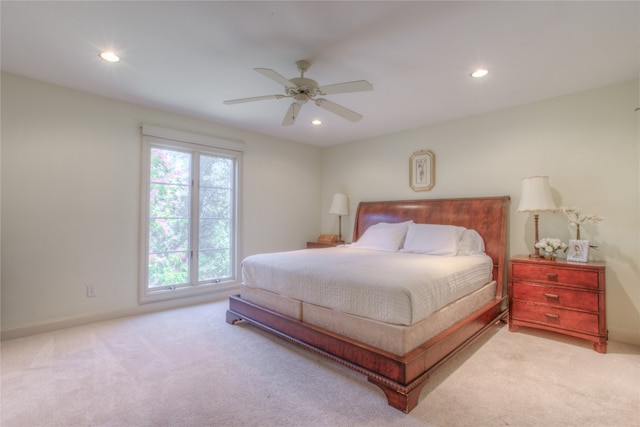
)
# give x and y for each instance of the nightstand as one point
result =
(316, 245)
(559, 296)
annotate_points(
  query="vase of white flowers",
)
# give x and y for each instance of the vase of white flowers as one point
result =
(576, 218)
(550, 247)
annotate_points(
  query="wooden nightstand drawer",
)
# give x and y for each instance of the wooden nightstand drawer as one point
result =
(560, 297)
(556, 317)
(546, 273)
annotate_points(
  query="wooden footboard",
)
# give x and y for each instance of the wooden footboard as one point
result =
(401, 378)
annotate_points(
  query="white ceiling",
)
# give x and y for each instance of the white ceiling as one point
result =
(187, 57)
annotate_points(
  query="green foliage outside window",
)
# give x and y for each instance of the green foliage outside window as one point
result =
(170, 218)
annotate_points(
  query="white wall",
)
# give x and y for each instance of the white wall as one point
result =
(70, 181)
(587, 143)
(70, 194)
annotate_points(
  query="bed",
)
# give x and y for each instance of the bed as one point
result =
(392, 334)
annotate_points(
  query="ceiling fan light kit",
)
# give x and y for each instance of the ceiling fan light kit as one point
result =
(303, 89)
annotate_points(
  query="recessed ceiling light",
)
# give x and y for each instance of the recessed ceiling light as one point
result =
(109, 56)
(480, 72)
(316, 122)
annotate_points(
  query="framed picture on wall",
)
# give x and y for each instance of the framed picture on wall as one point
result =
(578, 250)
(422, 170)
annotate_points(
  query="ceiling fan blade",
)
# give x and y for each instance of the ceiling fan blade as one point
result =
(277, 77)
(255, 98)
(292, 114)
(338, 109)
(357, 86)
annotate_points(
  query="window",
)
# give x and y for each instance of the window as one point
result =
(190, 196)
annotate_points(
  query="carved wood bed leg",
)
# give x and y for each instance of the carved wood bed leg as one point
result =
(232, 318)
(404, 399)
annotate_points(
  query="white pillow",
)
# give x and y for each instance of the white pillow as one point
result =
(471, 243)
(433, 239)
(383, 236)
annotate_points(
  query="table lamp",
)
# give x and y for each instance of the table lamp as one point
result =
(340, 207)
(536, 197)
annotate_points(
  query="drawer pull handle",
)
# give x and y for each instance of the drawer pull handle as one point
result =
(552, 316)
(554, 296)
(552, 276)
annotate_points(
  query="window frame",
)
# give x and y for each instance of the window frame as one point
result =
(196, 145)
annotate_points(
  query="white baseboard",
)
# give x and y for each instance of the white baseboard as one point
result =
(624, 335)
(615, 334)
(73, 321)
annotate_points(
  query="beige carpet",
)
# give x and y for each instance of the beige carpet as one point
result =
(187, 367)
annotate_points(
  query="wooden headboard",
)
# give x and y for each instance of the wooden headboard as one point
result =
(487, 215)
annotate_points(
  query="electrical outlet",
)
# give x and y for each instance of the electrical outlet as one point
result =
(91, 292)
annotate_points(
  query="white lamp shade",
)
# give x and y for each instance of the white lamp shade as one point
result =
(536, 195)
(339, 205)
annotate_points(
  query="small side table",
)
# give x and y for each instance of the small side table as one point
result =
(316, 245)
(559, 296)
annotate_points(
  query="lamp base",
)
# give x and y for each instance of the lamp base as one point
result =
(536, 251)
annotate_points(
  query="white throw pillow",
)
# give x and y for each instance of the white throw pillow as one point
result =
(383, 236)
(433, 239)
(471, 243)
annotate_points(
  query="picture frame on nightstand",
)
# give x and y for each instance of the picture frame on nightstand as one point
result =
(578, 251)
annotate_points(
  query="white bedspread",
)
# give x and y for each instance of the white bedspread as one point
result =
(392, 287)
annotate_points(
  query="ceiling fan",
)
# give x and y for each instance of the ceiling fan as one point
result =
(302, 89)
